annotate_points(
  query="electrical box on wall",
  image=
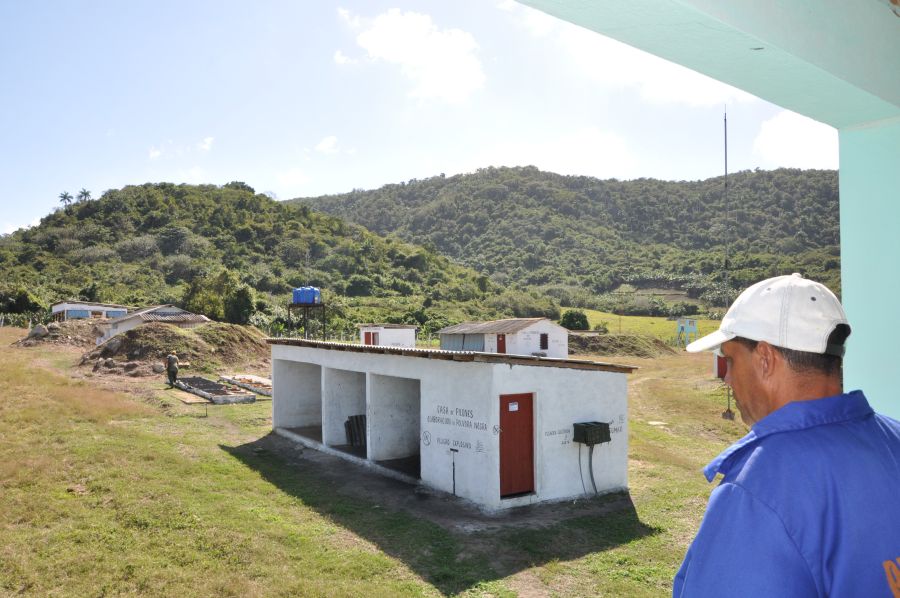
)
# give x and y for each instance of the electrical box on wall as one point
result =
(591, 433)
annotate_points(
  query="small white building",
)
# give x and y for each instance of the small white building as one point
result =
(513, 336)
(81, 310)
(388, 335)
(168, 314)
(494, 429)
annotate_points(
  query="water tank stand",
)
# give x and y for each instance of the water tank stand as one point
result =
(305, 310)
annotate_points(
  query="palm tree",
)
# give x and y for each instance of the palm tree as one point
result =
(84, 195)
(65, 198)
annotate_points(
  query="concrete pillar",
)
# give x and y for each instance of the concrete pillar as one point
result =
(297, 394)
(343, 394)
(393, 417)
(870, 244)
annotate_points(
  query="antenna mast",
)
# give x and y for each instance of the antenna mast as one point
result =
(727, 235)
(728, 413)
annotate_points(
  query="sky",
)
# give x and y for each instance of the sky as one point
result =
(301, 98)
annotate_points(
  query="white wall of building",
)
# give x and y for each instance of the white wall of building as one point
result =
(528, 341)
(563, 397)
(92, 309)
(390, 337)
(297, 401)
(343, 395)
(458, 408)
(392, 417)
(110, 330)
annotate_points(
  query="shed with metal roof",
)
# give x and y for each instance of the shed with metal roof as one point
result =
(517, 336)
(168, 314)
(388, 335)
(498, 430)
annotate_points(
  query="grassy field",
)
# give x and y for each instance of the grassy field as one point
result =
(658, 327)
(107, 493)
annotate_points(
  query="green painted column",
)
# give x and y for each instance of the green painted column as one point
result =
(870, 260)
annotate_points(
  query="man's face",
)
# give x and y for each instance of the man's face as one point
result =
(743, 378)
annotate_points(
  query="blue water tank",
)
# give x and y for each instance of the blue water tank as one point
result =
(307, 295)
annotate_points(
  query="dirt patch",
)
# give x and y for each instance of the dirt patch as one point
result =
(75, 333)
(631, 345)
(207, 348)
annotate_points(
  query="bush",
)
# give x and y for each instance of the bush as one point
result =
(137, 248)
(574, 319)
(93, 255)
(239, 305)
(359, 286)
(20, 301)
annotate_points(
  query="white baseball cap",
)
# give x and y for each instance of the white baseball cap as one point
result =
(790, 312)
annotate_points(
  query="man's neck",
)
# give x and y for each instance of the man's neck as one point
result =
(807, 387)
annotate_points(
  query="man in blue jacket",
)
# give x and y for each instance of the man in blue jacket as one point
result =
(809, 501)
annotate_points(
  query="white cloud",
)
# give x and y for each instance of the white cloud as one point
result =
(353, 21)
(155, 153)
(341, 58)
(440, 64)
(206, 144)
(588, 151)
(537, 22)
(794, 141)
(328, 145)
(618, 66)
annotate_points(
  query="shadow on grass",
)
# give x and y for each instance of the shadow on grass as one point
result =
(447, 541)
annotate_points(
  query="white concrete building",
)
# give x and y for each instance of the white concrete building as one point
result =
(494, 429)
(388, 335)
(168, 314)
(79, 310)
(513, 336)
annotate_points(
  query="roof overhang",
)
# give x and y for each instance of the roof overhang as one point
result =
(835, 61)
(461, 356)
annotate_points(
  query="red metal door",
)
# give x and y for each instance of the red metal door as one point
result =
(516, 444)
(367, 340)
(721, 367)
(501, 343)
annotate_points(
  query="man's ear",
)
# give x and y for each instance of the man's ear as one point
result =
(767, 358)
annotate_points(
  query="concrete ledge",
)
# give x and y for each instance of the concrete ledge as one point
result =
(264, 388)
(216, 399)
(315, 444)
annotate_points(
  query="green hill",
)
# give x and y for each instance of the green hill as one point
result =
(578, 236)
(234, 255)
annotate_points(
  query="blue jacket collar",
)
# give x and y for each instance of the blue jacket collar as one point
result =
(798, 415)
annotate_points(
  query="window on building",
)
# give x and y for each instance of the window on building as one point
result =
(545, 341)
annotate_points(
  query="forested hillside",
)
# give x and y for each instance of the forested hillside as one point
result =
(231, 254)
(577, 237)
(520, 242)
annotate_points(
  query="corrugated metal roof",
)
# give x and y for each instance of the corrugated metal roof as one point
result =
(508, 326)
(170, 313)
(184, 317)
(463, 356)
(73, 302)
